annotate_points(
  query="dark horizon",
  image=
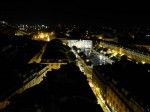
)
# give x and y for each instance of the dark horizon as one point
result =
(52, 14)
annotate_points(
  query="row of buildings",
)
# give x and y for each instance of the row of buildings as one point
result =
(121, 86)
(139, 56)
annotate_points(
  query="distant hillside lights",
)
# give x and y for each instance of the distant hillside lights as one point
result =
(25, 27)
(44, 36)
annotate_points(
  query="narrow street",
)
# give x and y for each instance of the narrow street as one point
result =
(88, 72)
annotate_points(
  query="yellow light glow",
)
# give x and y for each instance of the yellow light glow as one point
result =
(44, 36)
(98, 101)
(41, 36)
(67, 34)
(97, 89)
(91, 84)
(100, 37)
(122, 54)
(48, 39)
(143, 62)
(52, 33)
(115, 53)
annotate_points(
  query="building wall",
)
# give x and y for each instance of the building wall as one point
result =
(118, 102)
(33, 80)
(111, 99)
(83, 44)
(117, 99)
(115, 103)
(97, 80)
(3, 104)
(55, 65)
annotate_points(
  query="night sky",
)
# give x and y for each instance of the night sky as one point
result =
(74, 12)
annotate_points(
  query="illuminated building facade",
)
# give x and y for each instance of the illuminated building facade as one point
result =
(100, 82)
(130, 53)
(117, 98)
(82, 44)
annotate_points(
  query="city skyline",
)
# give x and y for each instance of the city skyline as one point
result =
(68, 67)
